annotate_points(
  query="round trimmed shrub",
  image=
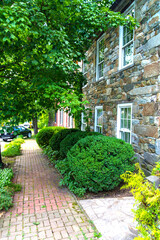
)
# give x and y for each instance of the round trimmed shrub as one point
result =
(44, 135)
(70, 140)
(57, 138)
(95, 163)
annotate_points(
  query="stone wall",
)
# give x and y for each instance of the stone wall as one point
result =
(138, 84)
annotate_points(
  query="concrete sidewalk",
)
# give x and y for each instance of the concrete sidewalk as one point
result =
(112, 217)
(42, 210)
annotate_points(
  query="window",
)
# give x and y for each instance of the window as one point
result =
(83, 122)
(84, 67)
(124, 122)
(98, 119)
(70, 120)
(126, 47)
(61, 117)
(100, 58)
(55, 117)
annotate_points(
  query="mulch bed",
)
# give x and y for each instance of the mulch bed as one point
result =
(116, 193)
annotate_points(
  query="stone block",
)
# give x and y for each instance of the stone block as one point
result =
(145, 62)
(149, 109)
(135, 139)
(151, 70)
(145, 90)
(158, 146)
(128, 87)
(146, 172)
(146, 131)
(108, 91)
(151, 158)
(154, 179)
(152, 43)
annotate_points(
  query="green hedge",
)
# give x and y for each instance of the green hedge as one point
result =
(57, 138)
(45, 134)
(95, 163)
(71, 139)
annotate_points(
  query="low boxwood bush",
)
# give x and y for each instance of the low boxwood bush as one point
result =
(44, 135)
(95, 163)
(71, 139)
(147, 211)
(57, 138)
(12, 149)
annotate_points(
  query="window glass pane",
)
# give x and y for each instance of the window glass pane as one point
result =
(100, 69)
(122, 123)
(99, 117)
(129, 113)
(84, 67)
(99, 129)
(127, 137)
(128, 54)
(122, 135)
(101, 50)
(122, 113)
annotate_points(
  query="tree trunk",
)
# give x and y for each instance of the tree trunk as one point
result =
(51, 118)
(35, 126)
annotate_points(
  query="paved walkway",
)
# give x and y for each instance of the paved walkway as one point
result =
(112, 217)
(42, 210)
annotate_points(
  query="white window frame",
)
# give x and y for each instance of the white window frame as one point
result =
(83, 68)
(70, 121)
(97, 59)
(121, 46)
(83, 123)
(95, 122)
(119, 129)
(61, 117)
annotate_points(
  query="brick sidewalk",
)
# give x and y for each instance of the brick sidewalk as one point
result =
(42, 210)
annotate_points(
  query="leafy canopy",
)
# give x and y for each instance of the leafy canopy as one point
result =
(40, 45)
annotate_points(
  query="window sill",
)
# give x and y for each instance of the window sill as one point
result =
(100, 79)
(126, 67)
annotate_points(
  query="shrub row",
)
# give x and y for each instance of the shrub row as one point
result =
(89, 161)
(45, 134)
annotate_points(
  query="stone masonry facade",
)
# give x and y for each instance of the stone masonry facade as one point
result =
(138, 83)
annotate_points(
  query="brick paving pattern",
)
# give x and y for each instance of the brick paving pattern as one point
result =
(42, 210)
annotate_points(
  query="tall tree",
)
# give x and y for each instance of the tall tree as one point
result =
(40, 44)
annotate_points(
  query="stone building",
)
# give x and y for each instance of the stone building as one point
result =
(123, 81)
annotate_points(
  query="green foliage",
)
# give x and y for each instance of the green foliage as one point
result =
(45, 134)
(41, 42)
(43, 120)
(12, 149)
(156, 169)
(6, 175)
(71, 139)
(95, 163)
(57, 138)
(52, 155)
(7, 188)
(147, 212)
(19, 140)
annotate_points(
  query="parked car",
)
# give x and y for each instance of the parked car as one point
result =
(12, 132)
